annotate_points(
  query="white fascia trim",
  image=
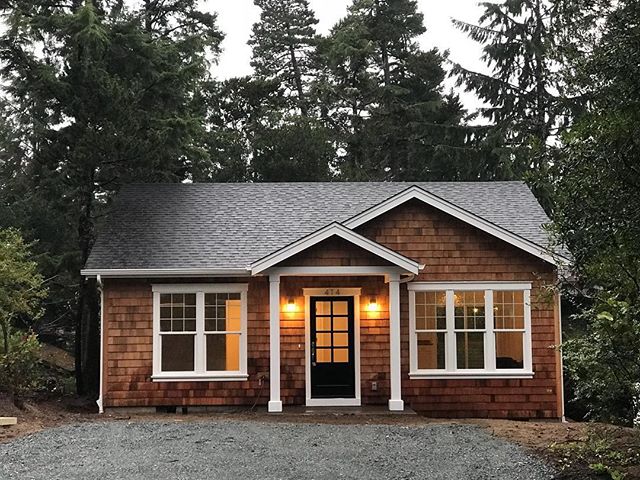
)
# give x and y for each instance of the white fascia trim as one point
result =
(467, 285)
(199, 287)
(165, 272)
(335, 229)
(335, 271)
(418, 193)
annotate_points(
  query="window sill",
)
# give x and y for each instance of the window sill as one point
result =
(471, 375)
(222, 377)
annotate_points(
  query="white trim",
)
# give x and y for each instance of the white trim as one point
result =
(275, 402)
(100, 395)
(467, 286)
(200, 287)
(332, 292)
(335, 271)
(415, 192)
(200, 373)
(490, 370)
(562, 415)
(395, 402)
(165, 272)
(471, 376)
(221, 377)
(333, 402)
(335, 229)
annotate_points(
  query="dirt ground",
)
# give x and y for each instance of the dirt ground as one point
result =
(577, 450)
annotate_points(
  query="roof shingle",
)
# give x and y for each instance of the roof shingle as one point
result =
(230, 225)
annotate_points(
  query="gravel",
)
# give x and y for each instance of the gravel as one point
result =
(229, 449)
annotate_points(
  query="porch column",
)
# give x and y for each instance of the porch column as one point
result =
(275, 404)
(395, 402)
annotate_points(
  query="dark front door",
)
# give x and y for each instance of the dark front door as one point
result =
(332, 347)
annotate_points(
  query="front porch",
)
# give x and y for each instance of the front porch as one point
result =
(331, 328)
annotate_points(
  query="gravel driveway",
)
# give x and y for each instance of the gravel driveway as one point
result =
(230, 449)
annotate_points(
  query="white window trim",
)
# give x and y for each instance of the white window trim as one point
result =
(490, 370)
(200, 374)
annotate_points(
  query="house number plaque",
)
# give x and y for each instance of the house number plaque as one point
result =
(332, 291)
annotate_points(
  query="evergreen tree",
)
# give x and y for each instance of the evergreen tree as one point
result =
(524, 91)
(105, 96)
(283, 45)
(394, 119)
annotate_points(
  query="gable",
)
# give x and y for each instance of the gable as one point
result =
(329, 232)
(416, 193)
(335, 251)
(449, 247)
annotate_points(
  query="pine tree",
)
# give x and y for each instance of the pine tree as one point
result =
(523, 90)
(283, 44)
(395, 122)
(107, 102)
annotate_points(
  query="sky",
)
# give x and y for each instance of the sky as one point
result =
(236, 17)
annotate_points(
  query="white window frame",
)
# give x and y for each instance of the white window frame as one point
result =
(490, 370)
(200, 373)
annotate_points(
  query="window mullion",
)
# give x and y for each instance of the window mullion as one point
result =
(490, 339)
(200, 347)
(450, 363)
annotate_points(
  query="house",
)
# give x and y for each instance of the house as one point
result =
(437, 296)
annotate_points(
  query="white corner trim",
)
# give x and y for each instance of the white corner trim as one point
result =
(418, 193)
(165, 272)
(100, 400)
(335, 229)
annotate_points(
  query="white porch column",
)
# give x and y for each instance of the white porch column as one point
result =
(395, 402)
(275, 404)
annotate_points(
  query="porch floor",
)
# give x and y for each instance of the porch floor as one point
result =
(366, 410)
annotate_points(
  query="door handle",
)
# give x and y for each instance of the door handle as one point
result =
(313, 353)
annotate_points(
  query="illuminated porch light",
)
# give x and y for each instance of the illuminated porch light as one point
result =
(373, 306)
(290, 305)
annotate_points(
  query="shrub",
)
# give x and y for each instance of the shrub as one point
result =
(20, 369)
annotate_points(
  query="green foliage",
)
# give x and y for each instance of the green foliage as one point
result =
(20, 369)
(524, 91)
(21, 285)
(604, 360)
(600, 452)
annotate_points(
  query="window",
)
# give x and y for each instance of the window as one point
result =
(470, 330)
(199, 332)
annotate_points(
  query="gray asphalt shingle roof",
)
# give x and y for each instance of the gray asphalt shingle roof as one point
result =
(231, 225)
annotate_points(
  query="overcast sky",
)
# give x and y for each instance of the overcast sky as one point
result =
(236, 17)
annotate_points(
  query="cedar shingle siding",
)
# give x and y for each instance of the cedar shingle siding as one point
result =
(451, 251)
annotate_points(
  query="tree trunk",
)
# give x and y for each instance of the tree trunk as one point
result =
(86, 314)
(302, 104)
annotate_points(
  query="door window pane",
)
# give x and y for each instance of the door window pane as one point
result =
(340, 339)
(509, 350)
(323, 355)
(223, 352)
(177, 353)
(323, 323)
(323, 339)
(323, 308)
(431, 350)
(470, 350)
(340, 308)
(341, 355)
(340, 323)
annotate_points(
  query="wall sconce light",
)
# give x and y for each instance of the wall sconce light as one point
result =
(290, 306)
(373, 306)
